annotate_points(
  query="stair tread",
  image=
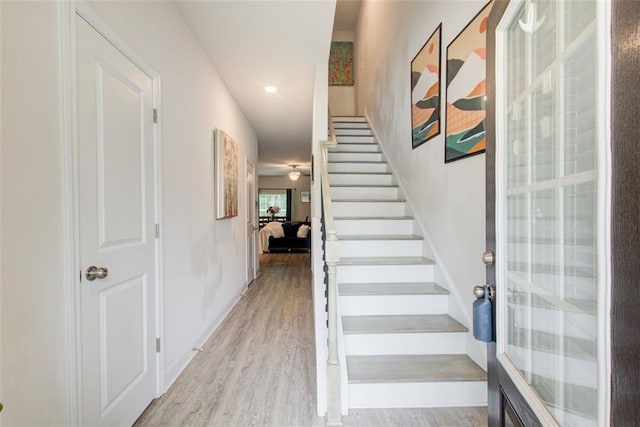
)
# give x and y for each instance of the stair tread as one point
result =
(353, 152)
(401, 324)
(375, 218)
(370, 200)
(363, 186)
(379, 237)
(375, 162)
(356, 142)
(413, 369)
(371, 289)
(359, 173)
(385, 261)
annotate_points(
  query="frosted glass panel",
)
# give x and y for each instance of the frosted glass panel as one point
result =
(549, 153)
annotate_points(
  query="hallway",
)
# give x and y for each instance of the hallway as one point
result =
(258, 367)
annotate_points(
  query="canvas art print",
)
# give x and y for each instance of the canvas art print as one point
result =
(226, 175)
(425, 91)
(341, 64)
(466, 89)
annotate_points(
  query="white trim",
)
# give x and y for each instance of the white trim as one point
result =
(532, 399)
(86, 12)
(604, 213)
(157, 166)
(603, 177)
(1, 394)
(186, 358)
(69, 125)
(248, 163)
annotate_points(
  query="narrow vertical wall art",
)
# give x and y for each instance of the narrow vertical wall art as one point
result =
(425, 90)
(225, 162)
(466, 90)
(341, 64)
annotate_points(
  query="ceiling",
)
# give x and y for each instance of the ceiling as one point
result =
(264, 42)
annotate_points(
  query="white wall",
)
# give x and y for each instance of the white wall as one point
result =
(0, 207)
(32, 311)
(300, 210)
(342, 98)
(204, 270)
(449, 199)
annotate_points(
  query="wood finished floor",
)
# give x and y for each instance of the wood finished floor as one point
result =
(258, 367)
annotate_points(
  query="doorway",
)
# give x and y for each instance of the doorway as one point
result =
(251, 221)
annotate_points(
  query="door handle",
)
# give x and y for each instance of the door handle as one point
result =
(479, 291)
(488, 258)
(94, 273)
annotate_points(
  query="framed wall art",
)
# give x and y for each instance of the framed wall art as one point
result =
(425, 90)
(341, 64)
(225, 166)
(466, 90)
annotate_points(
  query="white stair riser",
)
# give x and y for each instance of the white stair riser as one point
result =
(350, 125)
(385, 273)
(355, 157)
(345, 146)
(351, 132)
(418, 395)
(389, 344)
(373, 226)
(355, 138)
(357, 179)
(368, 208)
(380, 248)
(357, 167)
(338, 119)
(363, 193)
(365, 305)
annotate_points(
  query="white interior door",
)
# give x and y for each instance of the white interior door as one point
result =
(551, 194)
(117, 232)
(251, 222)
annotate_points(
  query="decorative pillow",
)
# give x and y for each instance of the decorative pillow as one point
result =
(303, 231)
(290, 229)
(275, 229)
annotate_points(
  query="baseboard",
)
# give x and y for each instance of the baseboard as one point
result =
(173, 372)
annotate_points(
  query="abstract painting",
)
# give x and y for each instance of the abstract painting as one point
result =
(466, 90)
(226, 175)
(341, 64)
(425, 90)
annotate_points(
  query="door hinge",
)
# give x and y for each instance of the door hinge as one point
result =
(155, 115)
(157, 345)
(157, 231)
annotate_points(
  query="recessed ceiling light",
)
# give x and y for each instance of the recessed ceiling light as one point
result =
(270, 89)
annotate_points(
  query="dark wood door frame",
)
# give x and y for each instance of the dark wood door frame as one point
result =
(625, 211)
(625, 230)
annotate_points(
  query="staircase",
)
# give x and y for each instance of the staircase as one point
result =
(402, 348)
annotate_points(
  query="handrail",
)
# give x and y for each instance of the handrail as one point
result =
(332, 257)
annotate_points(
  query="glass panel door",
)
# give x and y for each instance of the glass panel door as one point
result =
(550, 94)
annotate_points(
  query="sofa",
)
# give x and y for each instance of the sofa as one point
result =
(294, 237)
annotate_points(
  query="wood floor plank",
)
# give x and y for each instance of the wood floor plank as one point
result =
(258, 367)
